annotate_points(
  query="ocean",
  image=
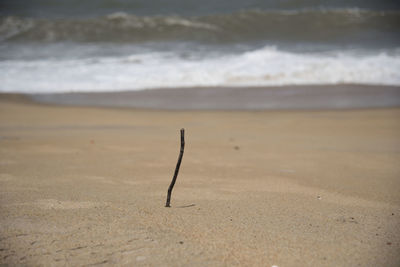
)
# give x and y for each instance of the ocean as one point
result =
(64, 46)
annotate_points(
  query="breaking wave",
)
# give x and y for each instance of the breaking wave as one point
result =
(265, 66)
(319, 25)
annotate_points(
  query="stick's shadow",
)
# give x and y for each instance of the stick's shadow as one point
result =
(187, 206)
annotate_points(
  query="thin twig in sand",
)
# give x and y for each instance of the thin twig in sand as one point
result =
(178, 164)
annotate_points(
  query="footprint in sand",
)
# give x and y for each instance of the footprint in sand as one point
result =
(63, 205)
(100, 179)
(7, 162)
(287, 171)
(50, 149)
(4, 177)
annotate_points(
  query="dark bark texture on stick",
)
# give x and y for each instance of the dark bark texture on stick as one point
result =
(178, 164)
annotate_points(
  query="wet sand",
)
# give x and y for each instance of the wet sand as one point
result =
(343, 96)
(85, 185)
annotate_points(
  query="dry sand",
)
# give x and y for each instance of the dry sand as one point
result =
(87, 186)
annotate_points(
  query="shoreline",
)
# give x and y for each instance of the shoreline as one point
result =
(299, 97)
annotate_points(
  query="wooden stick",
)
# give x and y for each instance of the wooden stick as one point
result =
(178, 164)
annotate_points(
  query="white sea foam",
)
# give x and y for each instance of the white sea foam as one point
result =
(265, 66)
(11, 26)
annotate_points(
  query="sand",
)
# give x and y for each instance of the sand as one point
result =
(339, 96)
(87, 186)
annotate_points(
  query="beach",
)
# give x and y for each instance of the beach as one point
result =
(85, 185)
(291, 111)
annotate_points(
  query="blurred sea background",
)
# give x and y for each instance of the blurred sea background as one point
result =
(55, 46)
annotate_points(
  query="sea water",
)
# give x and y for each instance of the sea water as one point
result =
(117, 45)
